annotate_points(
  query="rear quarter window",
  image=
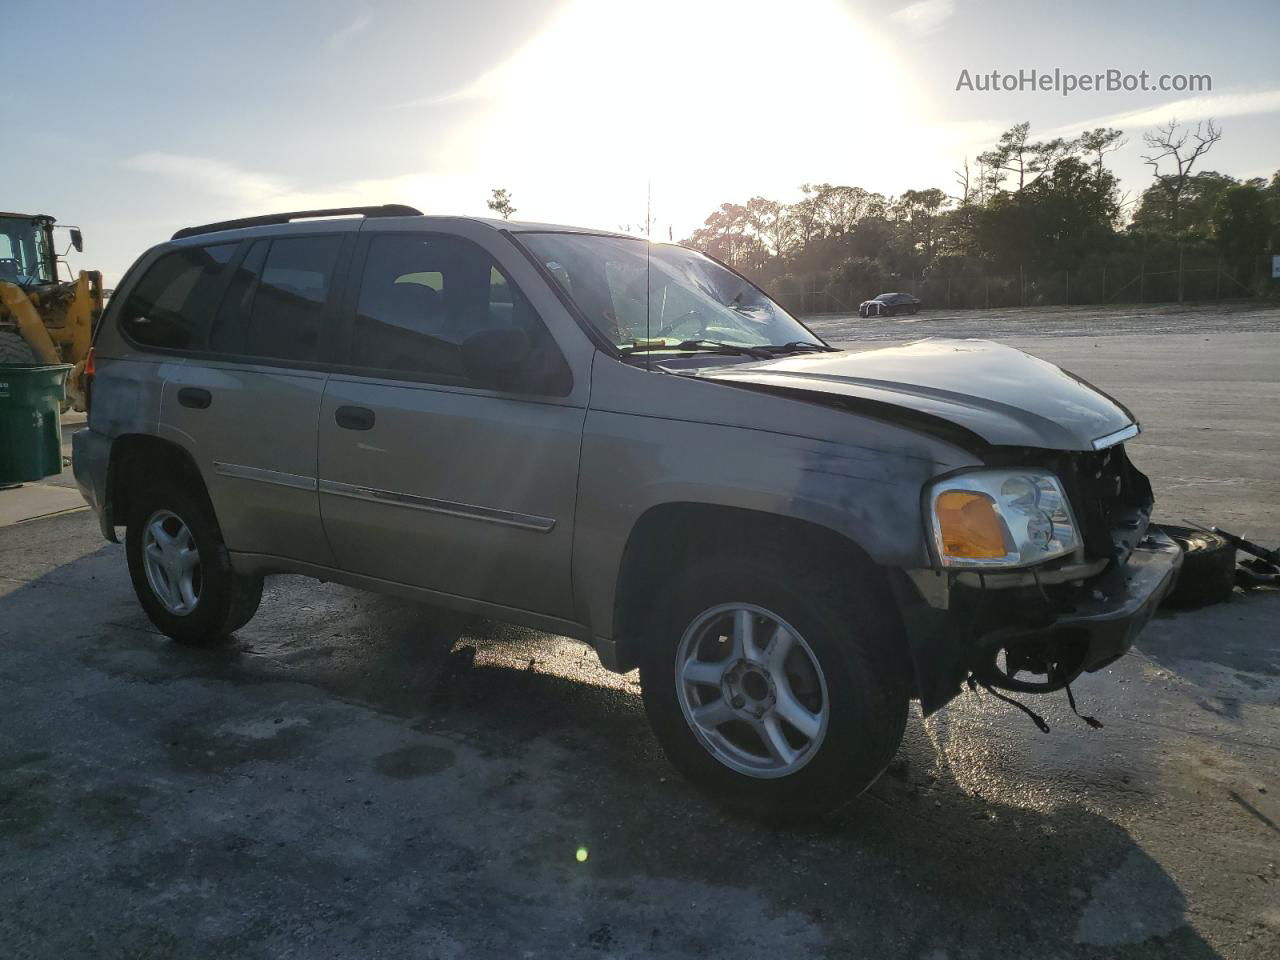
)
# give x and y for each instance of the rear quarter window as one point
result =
(172, 305)
(288, 313)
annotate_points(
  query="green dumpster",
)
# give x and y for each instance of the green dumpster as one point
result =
(30, 430)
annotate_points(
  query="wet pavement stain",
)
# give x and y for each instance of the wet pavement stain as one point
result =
(408, 763)
(211, 747)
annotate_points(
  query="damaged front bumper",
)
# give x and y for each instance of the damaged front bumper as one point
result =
(1027, 627)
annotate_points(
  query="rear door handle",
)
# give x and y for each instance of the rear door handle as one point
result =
(354, 418)
(195, 397)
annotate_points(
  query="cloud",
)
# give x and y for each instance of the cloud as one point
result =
(353, 29)
(479, 89)
(1189, 110)
(237, 191)
(924, 16)
(216, 177)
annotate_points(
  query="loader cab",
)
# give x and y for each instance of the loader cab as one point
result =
(28, 256)
(26, 249)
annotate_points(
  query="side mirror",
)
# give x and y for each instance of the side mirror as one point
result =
(490, 356)
(77, 240)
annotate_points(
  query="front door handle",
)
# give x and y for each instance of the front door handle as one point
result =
(196, 398)
(354, 418)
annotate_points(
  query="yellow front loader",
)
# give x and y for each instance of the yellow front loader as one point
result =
(44, 319)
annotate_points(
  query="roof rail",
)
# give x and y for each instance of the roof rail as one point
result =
(383, 210)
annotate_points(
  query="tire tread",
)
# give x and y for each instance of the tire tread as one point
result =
(869, 654)
(228, 600)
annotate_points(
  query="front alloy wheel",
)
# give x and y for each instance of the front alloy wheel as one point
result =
(752, 690)
(778, 686)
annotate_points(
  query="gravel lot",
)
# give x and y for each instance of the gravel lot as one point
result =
(360, 777)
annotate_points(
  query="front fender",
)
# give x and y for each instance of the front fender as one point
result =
(861, 480)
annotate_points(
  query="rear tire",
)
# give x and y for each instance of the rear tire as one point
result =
(165, 524)
(861, 694)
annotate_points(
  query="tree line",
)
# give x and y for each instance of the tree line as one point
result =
(1029, 221)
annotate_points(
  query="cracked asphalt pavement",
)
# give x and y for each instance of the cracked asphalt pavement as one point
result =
(355, 776)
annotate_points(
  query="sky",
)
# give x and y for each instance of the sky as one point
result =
(134, 118)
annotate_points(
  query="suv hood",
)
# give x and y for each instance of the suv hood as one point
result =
(1004, 396)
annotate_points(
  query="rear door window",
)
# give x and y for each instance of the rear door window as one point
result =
(174, 302)
(230, 325)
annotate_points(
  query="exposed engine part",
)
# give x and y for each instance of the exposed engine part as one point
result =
(1260, 570)
(1248, 546)
(1253, 573)
(1208, 567)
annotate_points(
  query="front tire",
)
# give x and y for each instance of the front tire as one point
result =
(181, 570)
(777, 692)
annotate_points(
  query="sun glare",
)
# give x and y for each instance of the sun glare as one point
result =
(699, 101)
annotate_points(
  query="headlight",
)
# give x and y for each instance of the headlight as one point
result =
(1001, 518)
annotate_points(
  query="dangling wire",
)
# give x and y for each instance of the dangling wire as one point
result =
(1038, 720)
(1040, 586)
(1091, 721)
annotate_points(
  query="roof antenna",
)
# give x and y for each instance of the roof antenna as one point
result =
(648, 208)
(648, 220)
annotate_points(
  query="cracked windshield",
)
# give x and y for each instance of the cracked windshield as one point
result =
(644, 296)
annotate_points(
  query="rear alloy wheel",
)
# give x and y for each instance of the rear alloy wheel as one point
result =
(180, 567)
(172, 562)
(782, 690)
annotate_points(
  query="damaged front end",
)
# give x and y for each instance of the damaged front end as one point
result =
(1034, 628)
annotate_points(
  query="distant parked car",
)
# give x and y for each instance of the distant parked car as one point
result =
(888, 305)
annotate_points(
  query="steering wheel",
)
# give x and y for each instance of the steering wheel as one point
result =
(678, 321)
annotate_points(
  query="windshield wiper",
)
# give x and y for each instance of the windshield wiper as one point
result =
(796, 346)
(701, 346)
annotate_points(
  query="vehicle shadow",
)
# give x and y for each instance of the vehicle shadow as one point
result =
(922, 865)
(918, 864)
(924, 861)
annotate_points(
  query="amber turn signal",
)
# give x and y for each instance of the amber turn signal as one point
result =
(968, 526)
